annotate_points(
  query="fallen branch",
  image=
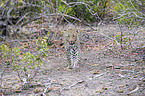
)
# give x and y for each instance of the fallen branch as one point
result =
(135, 90)
(45, 90)
(67, 88)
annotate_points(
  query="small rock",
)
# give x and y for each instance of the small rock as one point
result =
(37, 90)
(135, 76)
(18, 91)
(97, 91)
(121, 85)
(120, 91)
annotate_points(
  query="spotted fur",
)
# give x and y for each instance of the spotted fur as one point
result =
(72, 45)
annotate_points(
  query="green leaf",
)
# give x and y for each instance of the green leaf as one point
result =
(41, 62)
(37, 59)
(4, 56)
(26, 75)
(32, 66)
(43, 54)
(29, 79)
(25, 69)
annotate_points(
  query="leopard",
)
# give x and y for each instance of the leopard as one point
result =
(72, 45)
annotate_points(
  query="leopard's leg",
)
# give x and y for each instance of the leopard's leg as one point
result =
(77, 59)
(70, 62)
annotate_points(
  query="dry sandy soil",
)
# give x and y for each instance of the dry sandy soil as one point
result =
(105, 70)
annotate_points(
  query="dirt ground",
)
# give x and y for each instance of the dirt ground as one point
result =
(105, 70)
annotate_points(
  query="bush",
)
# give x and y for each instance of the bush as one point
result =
(129, 14)
(27, 64)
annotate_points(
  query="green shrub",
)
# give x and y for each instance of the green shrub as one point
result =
(27, 64)
(128, 14)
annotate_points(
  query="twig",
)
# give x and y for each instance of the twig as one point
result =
(122, 76)
(22, 18)
(67, 88)
(98, 75)
(48, 86)
(135, 90)
(109, 38)
(136, 9)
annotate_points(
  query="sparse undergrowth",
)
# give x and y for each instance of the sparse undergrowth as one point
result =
(105, 68)
(25, 64)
